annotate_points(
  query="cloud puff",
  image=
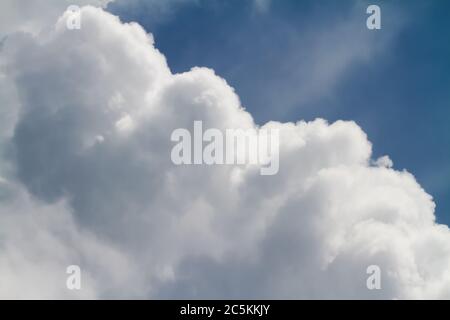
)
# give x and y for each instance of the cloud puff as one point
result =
(40, 240)
(87, 179)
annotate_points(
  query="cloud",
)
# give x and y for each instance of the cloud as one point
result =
(40, 240)
(36, 15)
(262, 5)
(154, 10)
(87, 179)
(317, 55)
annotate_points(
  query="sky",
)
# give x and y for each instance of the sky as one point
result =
(393, 82)
(93, 205)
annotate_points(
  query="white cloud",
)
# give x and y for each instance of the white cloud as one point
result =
(140, 226)
(33, 16)
(40, 240)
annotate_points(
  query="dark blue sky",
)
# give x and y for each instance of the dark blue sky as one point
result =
(316, 58)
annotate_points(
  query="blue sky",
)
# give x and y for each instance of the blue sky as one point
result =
(306, 59)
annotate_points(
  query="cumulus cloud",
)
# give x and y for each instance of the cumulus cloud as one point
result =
(40, 240)
(87, 179)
